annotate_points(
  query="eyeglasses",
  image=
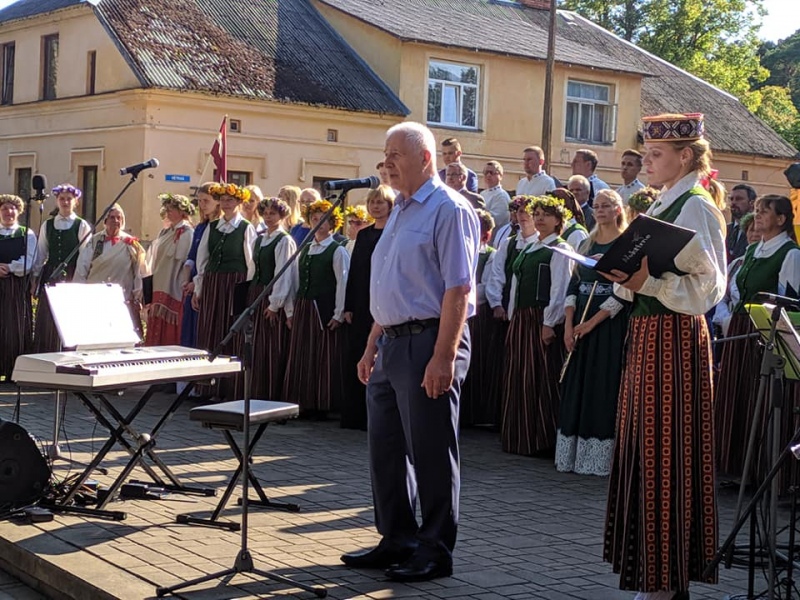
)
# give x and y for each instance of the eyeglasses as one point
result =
(491, 173)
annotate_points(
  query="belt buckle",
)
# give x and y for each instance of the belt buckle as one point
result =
(390, 332)
(415, 328)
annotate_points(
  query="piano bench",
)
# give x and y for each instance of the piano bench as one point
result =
(229, 416)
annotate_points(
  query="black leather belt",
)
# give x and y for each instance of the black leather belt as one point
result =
(409, 328)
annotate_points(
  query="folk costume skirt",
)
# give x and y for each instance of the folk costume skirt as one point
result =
(531, 394)
(15, 334)
(480, 396)
(589, 396)
(164, 319)
(661, 521)
(315, 368)
(214, 321)
(270, 352)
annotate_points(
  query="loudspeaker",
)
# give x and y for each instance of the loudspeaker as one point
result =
(24, 472)
(793, 175)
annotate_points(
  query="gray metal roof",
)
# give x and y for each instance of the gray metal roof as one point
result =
(30, 8)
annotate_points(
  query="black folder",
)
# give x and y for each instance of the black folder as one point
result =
(147, 289)
(646, 236)
(12, 249)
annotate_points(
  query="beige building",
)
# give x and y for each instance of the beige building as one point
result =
(310, 87)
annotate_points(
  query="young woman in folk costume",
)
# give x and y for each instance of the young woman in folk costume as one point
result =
(224, 259)
(166, 258)
(661, 523)
(534, 344)
(771, 265)
(479, 405)
(58, 237)
(353, 409)
(271, 251)
(589, 392)
(208, 209)
(575, 231)
(315, 371)
(251, 209)
(15, 335)
(356, 218)
(113, 256)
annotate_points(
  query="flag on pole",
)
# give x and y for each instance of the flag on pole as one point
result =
(219, 152)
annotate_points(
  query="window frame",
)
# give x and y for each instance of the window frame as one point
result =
(87, 175)
(49, 89)
(609, 125)
(243, 178)
(462, 88)
(7, 74)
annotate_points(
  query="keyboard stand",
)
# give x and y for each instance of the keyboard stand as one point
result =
(143, 447)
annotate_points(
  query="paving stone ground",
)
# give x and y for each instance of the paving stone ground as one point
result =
(525, 532)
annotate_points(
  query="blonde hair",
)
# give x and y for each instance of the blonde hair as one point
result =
(701, 162)
(621, 220)
(291, 194)
(384, 192)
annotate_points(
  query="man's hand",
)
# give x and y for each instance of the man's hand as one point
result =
(438, 376)
(365, 365)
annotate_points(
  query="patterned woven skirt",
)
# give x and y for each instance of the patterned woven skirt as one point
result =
(315, 368)
(661, 521)
(270, 352)
(482, 391)
(15, 334)
(164, 320)
(214, 321)
(531, 396)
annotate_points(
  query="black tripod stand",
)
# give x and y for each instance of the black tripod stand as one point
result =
(244, 560)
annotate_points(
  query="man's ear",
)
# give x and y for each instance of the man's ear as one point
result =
(426, 156)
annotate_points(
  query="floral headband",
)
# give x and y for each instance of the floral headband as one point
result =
(276, 204)
(182, 203)
(549, 204)
(15, 201)
(323, 206)
(230, 189)
(67, 188)
(358, 212)
(641, 200)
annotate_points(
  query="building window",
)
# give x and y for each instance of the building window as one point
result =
(7, 95)
(591, 117)
(240, 178)
(23, 179)
(49, 66)
(88, 179)
(453, 94)
(91, 72)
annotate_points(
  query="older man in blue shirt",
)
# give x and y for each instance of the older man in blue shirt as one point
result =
(422, 291)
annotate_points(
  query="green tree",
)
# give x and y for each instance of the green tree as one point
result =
(782, 59)
(776, 108)
(714, 39)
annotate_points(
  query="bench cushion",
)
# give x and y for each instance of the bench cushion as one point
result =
(230, 415)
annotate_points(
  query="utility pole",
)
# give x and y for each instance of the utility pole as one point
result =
(547, 112)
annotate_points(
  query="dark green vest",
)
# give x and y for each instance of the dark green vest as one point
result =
(511, 256)
(264, 257)
(20, 232)
(483, 258)
(317, 278)
(573, 228)
(760, 274)
(61, 243)
(645, 306)
(533, 277)
(226, 250)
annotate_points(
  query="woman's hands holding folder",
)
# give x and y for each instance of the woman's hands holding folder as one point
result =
(632, 282)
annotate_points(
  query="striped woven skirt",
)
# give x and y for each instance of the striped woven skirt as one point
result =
(661, 521)
(214, 321)
(315, 367)
(15, 335)
(531, 392)
(270, 352)
(480, 398)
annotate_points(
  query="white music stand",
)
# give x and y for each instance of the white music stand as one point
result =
(87, 316)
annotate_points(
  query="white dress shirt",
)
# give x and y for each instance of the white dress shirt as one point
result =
(627, 190)
(341, 267)
(597, 183)
(281, 296)
(576, 237)
(203, 252)
(536, 185)
(497, 277)
(497, 200)
(485, 276)
(24, 264)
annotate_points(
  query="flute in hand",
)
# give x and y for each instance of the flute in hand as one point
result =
(583, 318)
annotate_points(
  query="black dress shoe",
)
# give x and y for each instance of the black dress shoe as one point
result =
(381, 556)
(681, 596)
(420, 569)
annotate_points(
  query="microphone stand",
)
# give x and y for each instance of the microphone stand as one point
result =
(244, 323)
(54, 451)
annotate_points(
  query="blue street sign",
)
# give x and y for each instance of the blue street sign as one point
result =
(178, 178)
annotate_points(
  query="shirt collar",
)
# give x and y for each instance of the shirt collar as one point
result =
(668, 196)
(421, 195)
(634, 183)
(541, 173)
(550, 238)
(324, 243)
(274, 234)
(494, 189)
(71, 217)
(234, 222)
(771, 245)
(14, 227)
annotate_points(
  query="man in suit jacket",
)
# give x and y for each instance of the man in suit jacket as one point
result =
(456, 178)
(580, 187)
(451, 152)
(741, 201)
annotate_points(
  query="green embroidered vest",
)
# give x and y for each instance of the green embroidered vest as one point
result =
(533, 277)
(226, 250)
(264, 257)
(483, 258)
(573, 228)
(61, 243)
(760, 274)
(317, 278)
(645, 306)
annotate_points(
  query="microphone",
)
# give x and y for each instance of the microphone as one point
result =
(782, 301)
(136, 169)
(39, 184)
(346, 185)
